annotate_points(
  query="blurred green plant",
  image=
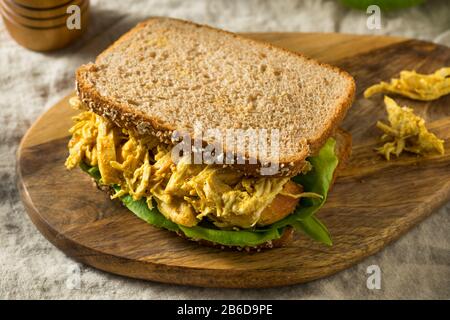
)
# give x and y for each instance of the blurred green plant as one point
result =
(385, 5)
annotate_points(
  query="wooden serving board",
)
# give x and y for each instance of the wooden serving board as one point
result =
(373, 201)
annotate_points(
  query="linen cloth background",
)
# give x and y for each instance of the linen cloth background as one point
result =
(416, 266)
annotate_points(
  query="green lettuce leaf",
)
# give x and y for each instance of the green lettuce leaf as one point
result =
(313, 228)
(318, 180)
(152, 216)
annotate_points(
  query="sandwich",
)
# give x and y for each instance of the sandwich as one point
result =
(224, 140)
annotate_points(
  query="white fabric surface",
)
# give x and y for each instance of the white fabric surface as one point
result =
(416, 266)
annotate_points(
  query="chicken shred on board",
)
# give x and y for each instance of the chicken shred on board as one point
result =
(406, 132)
(425, 87)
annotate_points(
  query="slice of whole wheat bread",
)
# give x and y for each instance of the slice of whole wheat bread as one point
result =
(167, 74)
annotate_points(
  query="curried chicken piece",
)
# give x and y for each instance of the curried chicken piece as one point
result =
(282, 205)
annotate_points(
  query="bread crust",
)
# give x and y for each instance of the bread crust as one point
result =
(144, 124)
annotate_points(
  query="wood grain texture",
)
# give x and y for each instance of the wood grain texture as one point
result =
(372, 203)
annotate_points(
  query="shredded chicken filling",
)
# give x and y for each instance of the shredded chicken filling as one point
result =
(184, 193)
